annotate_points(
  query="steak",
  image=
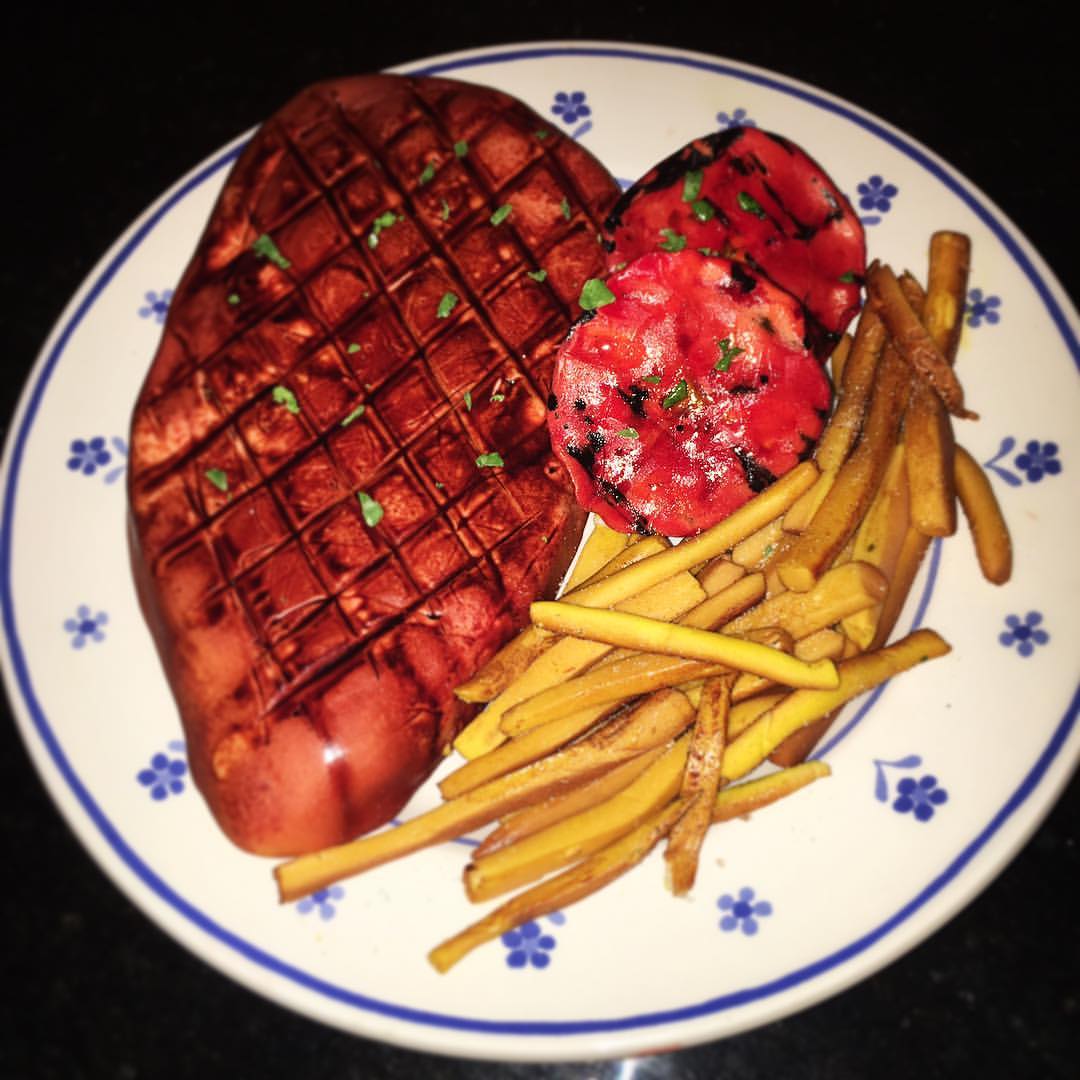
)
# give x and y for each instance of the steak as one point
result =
(342, 493)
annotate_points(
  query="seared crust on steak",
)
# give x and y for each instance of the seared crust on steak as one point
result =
(352, 261)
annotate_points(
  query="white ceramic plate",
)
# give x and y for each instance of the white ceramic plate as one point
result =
(937, 782)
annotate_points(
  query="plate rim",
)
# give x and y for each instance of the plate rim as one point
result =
(56, 771)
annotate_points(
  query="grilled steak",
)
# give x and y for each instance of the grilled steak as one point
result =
(343, 497)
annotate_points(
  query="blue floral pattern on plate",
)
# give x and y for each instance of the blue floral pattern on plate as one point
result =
(570, 107)
(1025, 633)
(86, 626)
(736, 118)
(156, 305)
(528, 946)
(1036, 461)
(86, 456)
(917, 797)
(877, 195)
(742, 912)
(323, 901)
(981, 309)
(164, 776)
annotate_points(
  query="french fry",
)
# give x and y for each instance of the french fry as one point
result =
(739, 799)
(823, 644)
(752, 552)
(857, 675)
(726, 604)
(798, 745)
(579, 836)
(744, 713)
(916, 346)
(651, 636)
(856, 482)
(912, 551)
(514, 657)
(567, 888)
(839, 358)
(717, 574)
(879, 540)
(662, 718)
(531, 819)
(714, 541)
(993, 546)
(601, 546)
(836, 594)
(700, 782)
(563, 658)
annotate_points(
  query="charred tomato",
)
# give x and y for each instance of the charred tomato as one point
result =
(757, 198)
(684, 394)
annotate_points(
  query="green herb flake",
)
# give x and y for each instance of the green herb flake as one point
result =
(218, 478)
(284, 396)
(768, 551)
(703, 210)
(564, 206)
(371, 510)
(444, 210)
(538, 275)
(439, 485)
(680, 392)
(728, 352)
(352, 348)
(672, 241)
(848, 277)
(467, 398)
(233, 298)
(655, 379)
(354, 415)
(750, 204)
(461, 148)
(383, 221)
(708, 252)
(446, 304)
(595, 294)
(501, 214)
(427, 175)
(267, 249)
(627, 433)
(490, 461)
(542, 133)
(691, 185)
(497, 398)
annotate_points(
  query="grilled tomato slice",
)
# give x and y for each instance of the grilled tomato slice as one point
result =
(688, 389)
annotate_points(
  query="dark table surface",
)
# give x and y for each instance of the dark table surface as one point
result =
(101, 114)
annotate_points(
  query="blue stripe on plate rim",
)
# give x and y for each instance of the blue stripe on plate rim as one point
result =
(519, 1027)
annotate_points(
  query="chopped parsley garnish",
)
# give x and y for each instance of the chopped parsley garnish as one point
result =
(467, 398)
(728, 352)
(497, 397)
(428, 174)
(848, 277)
(446, 304)
(680, 392)
(538, 275)
(461, 148)
(595, 294)
(353, 348)
(565, 207)
(383, 221)
(354, 415)
(501, 214)
(672, 241)
(266, 248)
(218, 478)
(284, 396)
(650, 378)
(710, 252)
(768, 551)
(542, 133)
(371, 510)
(233, 298)
(490, 461)
(691, 185)
(444, 210)
(439, 485)
(703, 210)
(750, 204)
(627, 433)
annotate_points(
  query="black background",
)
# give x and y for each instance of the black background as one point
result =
(101, 112)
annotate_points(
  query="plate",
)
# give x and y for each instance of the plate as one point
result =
(935, 784)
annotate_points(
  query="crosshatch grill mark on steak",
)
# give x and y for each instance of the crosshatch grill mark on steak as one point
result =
(312, 653)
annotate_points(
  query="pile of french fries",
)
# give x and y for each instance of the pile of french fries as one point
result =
(633, 709)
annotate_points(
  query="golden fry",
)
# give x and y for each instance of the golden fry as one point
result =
(651, 636)
(717, 574)
(745, 798)
(838, 359)
(752, 552)
(993, 546)
(560, 892)
(700, 783)
(823, 644)
(912, 550)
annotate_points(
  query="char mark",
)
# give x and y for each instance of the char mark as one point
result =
(758, 478)
(583, 455)
(746, 282)
(635, 398)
